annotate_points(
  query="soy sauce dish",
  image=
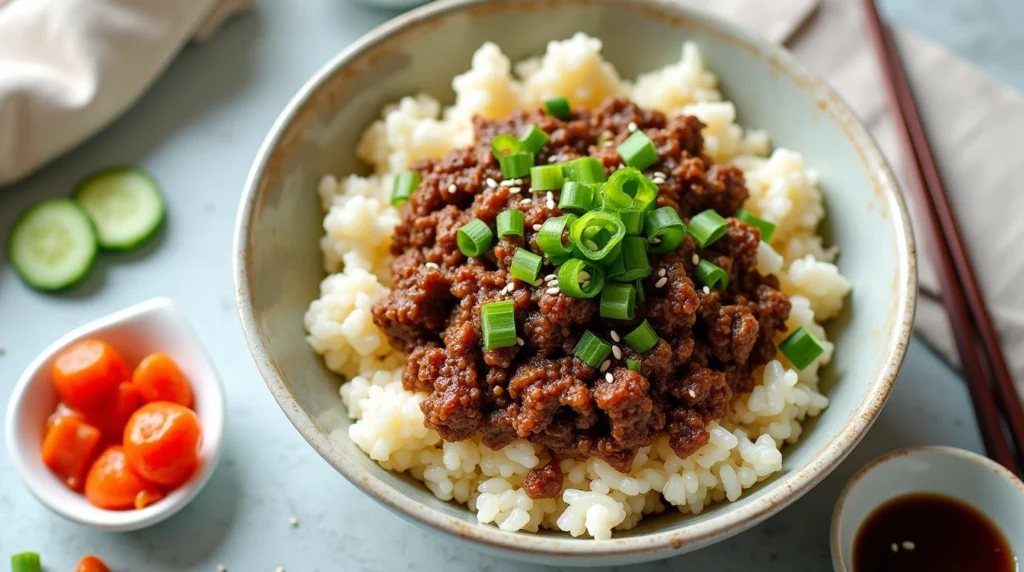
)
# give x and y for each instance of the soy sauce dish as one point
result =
(930, 508)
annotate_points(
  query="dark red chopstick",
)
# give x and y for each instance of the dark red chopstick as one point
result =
(961, 294)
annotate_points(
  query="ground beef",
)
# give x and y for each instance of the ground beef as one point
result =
(710, 344)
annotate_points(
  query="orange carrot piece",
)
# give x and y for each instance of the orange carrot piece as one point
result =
(159, 378)
(147, 497)
(111, 484)
(68, 448)
(161, 442)
(91, 563)
(112, 415)
(87, 373)
(63, 410)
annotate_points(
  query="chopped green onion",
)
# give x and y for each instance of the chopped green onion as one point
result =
(596, 234)
(558, 107)
(510, 223)
(642, 338)
(801, 348)
(26, 562)
(613, 265)
(665, 230)
(632, 184)
(498, 324)
(534, 139)
(635, 265)
(633, 365)
(707, 227)
(585, 170)
(638, 151)
(515, 165)
(526, 265)
(546, 178)
(767, 228)
(592, 349)
(712, 276)
(576, 197)
(507, 145)
(403, 187)
(474, 237)
(633, 220)
(640, 296)
(549, 238)
(574, 273)
(618, 301)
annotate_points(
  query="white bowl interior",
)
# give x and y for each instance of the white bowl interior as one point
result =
(154, 325)
(963, 475)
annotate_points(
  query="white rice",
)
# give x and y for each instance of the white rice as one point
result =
(744, 448)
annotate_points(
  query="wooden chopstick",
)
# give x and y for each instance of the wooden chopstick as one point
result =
(961, 294)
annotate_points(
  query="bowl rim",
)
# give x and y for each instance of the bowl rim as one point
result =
(976, 461)
(214, 424)
(786, 488)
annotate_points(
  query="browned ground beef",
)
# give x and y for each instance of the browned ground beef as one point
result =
(710, 342)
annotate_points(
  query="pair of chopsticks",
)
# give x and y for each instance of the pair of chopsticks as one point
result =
(992, 390)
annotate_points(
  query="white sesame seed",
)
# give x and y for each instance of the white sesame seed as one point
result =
(526, 201)
(661, 272)
(550, 205)
(621, 166)
(908, 545)
(518, 181)
(452, 188)
(616, 352)
(707, 290)
(520, 341)
(605, 365)
(632, 126)
(656, 240)
(691, 393)
(492, 183)
(660, 174)
(551, 291)
(608, 143)
(585, 285)
(515, 190)
(695, 259)
(506, 183)
(583, 275)
(615, 336)
(293, 521)
(550, 196)
(608, 377)
(894, 547)
(552, 159)
(661, 282)
(536, 227)
(658, 181)
(590, 244)
(551, 277)
(432, 265)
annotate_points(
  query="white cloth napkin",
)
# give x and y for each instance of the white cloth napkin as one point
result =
(68, 67)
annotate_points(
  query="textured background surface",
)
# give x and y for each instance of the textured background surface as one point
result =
(197, 130)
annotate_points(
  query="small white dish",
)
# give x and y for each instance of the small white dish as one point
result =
(969, 477)
(153, 325)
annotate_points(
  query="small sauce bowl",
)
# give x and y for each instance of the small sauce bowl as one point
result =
(968, 477)
(153, 325)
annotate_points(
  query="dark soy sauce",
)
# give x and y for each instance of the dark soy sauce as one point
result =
(933, 533)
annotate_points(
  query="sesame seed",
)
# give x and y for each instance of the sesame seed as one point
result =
(536, 227)
(632, 126)
(661, 272)
(605, 365)
(691, 393)
(550, 277)
(452, 188)
(515, 190)
(656, 240)
(585, 285)
(491, 183)
(583, 275)
(551, 204)
(552, 159)
(707, 290)
(615, 336)
(616, 352)
(506, 183)
(894, 547)
(908, 545)
(621, 166)
(293, 521)
(551, 291)
(608, 143)
(526, 201)
(661, 282)
(520, 341)
(658, 181)
(660, 174)
(590, 244)
(695, 259)
(550, 196)
(608, 377)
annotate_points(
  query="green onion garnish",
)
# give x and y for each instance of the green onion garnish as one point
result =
(638, 151)
(498, 324)
(767, 228)
(585, 170)
(510, 223)
(642, 338)
(801, 348)
(507, 145)
(707, 227)
(613, 265)
(635, 265)
(633, 365)
(592, 349)
(665, 230)
(549, 238)
(558, 107)
(534, 139)
(631, 183)
(618, 301)
(515, 165)
(546, 178)
(403, 187)
(474, 237)
(576, 197)
(26, 562)
(640, 296)
(526, 265)
(580, 278)
(712, 276)
(633, 220)
(596, 234)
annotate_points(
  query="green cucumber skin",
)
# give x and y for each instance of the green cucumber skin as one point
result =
(43, 287)
(132, 245)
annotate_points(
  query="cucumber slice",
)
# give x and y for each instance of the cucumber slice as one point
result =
(125, 203)
(53, 244)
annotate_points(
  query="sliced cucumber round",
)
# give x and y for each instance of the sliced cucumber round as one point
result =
(53, 244)
(125, 203)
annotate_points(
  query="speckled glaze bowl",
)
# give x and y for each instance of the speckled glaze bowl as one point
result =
(278, 263)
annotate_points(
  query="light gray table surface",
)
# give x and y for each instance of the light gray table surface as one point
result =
(197, 129)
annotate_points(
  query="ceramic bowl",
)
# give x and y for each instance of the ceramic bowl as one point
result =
(153, 325)
(977, 481)
(278, 263)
